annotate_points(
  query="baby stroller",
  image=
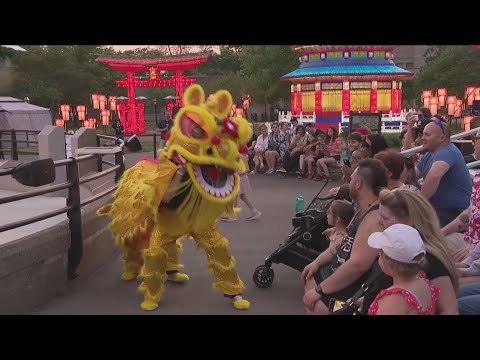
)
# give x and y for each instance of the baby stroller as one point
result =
(304, 243)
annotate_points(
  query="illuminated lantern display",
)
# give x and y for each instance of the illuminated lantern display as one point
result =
(451, 103)
(152, 72)
(81, 112)
(90, 123)
(65, 112)
(102, 101)
(470, 95)
(434, 105)
(95, 102)
(246, 99)
(105, 116)
(442, 96)
(458, 108)
(332, 79)
(112, 100)
(466, 122)
(131, 113)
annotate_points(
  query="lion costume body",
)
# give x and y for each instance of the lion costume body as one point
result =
(182, 195)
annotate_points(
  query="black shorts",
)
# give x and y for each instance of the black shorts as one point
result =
(343, 294)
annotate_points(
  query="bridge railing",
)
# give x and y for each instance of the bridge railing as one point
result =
(13, 149)
(73, 201)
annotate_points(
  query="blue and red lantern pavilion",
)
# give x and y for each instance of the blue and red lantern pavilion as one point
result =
(336, 79)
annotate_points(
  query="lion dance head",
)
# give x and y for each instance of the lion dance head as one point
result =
(210, 143)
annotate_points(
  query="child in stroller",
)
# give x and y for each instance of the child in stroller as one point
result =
(306, 241)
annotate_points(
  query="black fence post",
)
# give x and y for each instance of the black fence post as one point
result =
(26, 133)
(75, 251)
(13, 138)
(154, 146)
(121, 169)
(99, 157)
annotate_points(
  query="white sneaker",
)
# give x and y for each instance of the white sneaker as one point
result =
(228, 219)
(255, 215)
(252, 172)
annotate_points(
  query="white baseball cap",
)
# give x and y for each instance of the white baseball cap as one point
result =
(400, 242)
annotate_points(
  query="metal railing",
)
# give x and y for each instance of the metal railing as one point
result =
(461, 135)
(73, 201)
(13, 150)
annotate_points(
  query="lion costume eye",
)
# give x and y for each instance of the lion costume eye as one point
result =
(191, 129)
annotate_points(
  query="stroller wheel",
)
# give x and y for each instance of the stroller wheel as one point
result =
(263, 276)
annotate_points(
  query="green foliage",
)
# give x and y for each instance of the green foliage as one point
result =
(393, 140)
(456, 68)
(263, 65)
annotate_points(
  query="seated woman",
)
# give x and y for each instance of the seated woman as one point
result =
(277, 147)
(332, 148)
(307, 157)
(395, 164)
(260, 148)
(402, 254)
(295, 150)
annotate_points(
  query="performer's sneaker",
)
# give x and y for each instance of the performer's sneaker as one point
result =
(178, 277)
(128, 276)
(238, 302)
(148, 305)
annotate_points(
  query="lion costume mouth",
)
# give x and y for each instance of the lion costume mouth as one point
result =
(215, 180)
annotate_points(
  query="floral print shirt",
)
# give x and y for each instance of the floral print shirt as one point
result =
(472, 236)
(279, 139)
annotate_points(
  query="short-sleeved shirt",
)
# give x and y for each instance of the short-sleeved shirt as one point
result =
(473, 233)
(455, 187)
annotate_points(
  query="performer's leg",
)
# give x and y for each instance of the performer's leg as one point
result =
(223, 265)
(173, 266)
(133, 261)
(154, 268)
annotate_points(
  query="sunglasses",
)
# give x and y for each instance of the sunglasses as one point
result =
(440, 123)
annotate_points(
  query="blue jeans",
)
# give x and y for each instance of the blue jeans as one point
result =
(469, 299)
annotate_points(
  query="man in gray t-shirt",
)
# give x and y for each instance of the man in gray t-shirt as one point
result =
(447, 182)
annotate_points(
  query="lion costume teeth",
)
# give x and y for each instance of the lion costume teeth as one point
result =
(182, 195)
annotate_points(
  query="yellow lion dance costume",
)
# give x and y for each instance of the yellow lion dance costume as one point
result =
(182, 195)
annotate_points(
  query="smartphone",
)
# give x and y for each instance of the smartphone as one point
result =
(347, 162)
(335, 305)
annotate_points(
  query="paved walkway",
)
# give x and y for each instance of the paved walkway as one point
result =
(251, 242)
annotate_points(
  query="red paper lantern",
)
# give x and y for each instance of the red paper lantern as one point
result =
(470, 94)
(102, 100)
(95, 102)
(59, 122)
(105, 116)
(81, 112)
(426, 94)
(65, 111)
(466, 122)
(112, 100)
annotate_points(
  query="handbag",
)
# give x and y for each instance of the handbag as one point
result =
(339, 307)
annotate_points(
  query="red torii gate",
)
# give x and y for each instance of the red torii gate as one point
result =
(132, 114)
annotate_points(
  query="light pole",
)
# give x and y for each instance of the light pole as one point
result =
(155, 110)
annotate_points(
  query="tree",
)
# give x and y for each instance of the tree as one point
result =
(433, 52)
(456, 68)
(263, 65)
